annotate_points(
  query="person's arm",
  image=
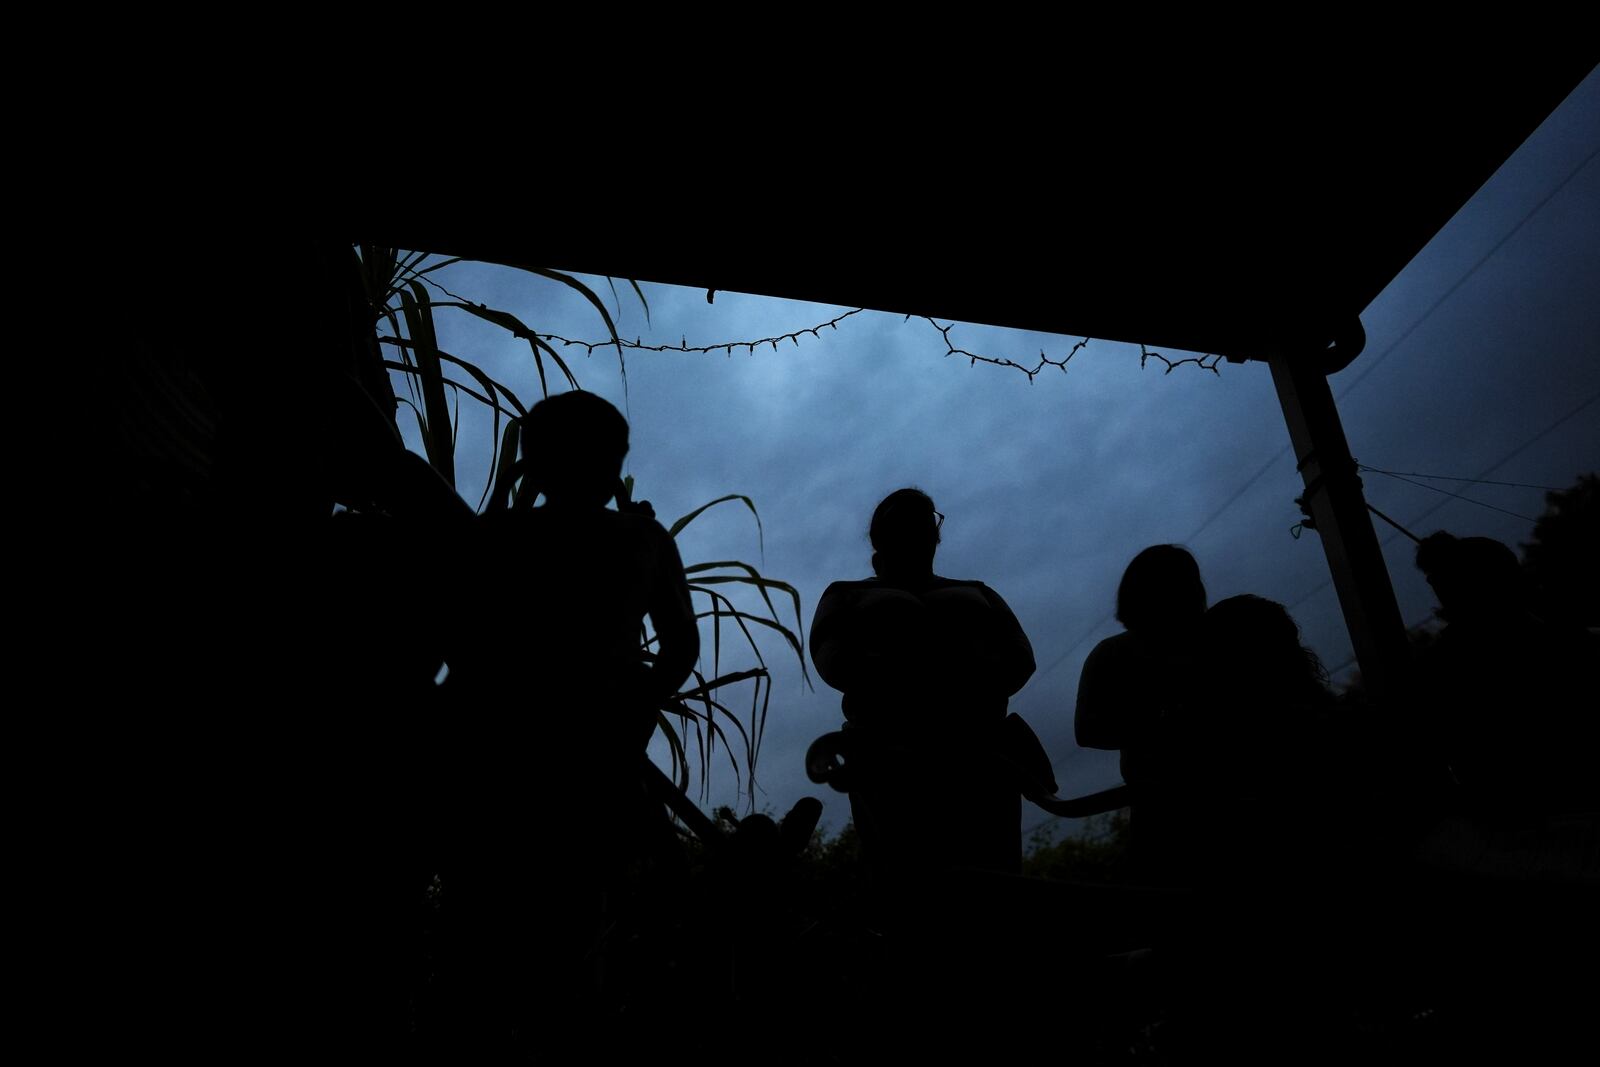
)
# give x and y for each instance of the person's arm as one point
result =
(672, 616)
(831, 640)
(1098, 722)
(866, 635)
(1013, 650)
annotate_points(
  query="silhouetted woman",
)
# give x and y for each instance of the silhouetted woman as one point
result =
(1258, 738)
(1133, 681)
(926, 665)
(1270, 818)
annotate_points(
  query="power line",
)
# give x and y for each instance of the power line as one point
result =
(1198, 530)
(1457, 496)
(1535, 439)
(1513, 454)
(1254, 478)
(1390, 348)
(1396, 525)
(1448, 293)
(1090, 632)
(1449, 478)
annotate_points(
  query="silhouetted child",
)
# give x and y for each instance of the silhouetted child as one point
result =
(926, 665)
(552, 704)
(1263, 711)
(1254, 740)
(1254, 795)
(1134, 680)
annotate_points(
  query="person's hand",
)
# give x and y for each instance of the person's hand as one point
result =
(627, 505)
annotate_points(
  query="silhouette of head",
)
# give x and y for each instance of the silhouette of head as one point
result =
(573, 445)
(1254, 644)
(1161, 590)
(905, 535)
(1472, 576)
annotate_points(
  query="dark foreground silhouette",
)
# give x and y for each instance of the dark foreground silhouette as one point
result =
(548, 707)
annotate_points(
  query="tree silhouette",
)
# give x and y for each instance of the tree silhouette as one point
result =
(1560, 561)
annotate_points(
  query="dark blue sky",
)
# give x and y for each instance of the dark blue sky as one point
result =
(1478, 355)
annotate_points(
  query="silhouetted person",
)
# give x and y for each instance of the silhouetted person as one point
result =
(1506, 883)
(1510, 695)
(1249, 730)
(582, 577)
(1260, 728)
(366, 701)
(1133, 680)
(1251, 792)
(552, 705)
(926, 665)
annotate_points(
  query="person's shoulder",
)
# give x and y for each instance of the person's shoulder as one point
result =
(983, 589)
(595, 526)
(1116, 647)
(942, 584)
(849, 585)
(643, 533)
(506, 523)
(848, 588)
(637, 523)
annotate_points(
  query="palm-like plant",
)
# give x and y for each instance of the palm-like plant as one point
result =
(403, 298)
